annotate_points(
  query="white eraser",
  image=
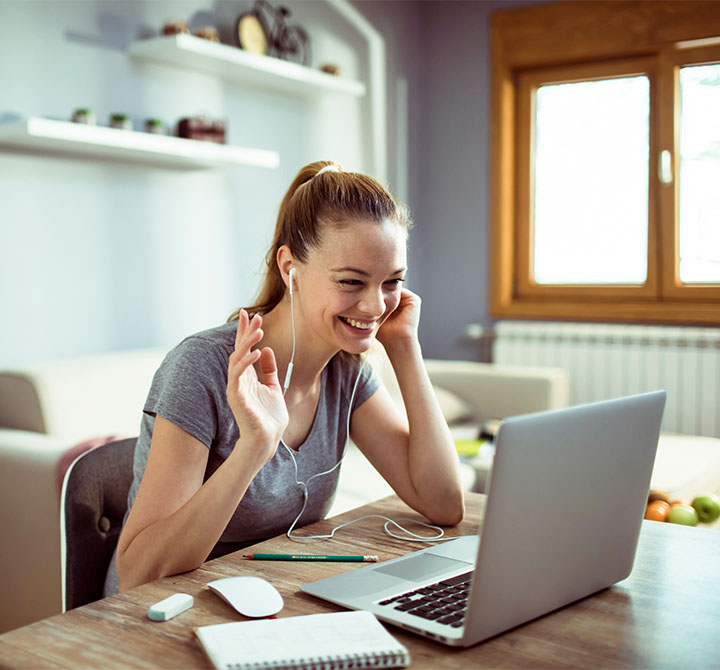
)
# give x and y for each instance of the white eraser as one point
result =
(170, 607)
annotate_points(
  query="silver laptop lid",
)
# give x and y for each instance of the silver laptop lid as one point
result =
(565, 506)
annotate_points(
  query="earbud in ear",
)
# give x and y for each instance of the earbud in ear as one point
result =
(292, 279)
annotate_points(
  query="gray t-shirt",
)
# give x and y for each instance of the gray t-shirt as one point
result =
(189, 389)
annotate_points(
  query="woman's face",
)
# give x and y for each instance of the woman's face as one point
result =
(351, 283)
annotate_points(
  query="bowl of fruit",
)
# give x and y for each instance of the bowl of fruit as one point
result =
(702, 509)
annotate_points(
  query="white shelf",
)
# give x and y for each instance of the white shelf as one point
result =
(45, 135)
(234, 64)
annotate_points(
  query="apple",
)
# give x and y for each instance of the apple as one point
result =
(683, 514)
(707, 507)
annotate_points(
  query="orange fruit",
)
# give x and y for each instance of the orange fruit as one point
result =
(657, 510)
(678, 501)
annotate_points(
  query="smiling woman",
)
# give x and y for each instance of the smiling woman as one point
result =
(227, 456)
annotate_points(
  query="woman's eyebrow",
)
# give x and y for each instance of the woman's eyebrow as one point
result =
(348, 268)
(364, 273)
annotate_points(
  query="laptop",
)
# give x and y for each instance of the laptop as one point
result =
(565, 505)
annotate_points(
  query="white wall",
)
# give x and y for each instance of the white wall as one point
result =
(96, 256)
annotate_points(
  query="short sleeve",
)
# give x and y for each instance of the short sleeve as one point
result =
(189, 388)
(367, 383)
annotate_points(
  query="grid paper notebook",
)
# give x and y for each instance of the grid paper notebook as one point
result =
(337, 640)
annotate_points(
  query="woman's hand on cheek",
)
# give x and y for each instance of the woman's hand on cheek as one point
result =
(402, 323)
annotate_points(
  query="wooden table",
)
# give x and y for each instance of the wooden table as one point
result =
(665, 615)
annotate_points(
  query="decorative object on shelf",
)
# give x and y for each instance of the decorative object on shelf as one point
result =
(48, 136)
(228, 63)
(202, 128)
(264, 30)
(175, 28)
(84, 115)
(121, 121)
(330, 68)
(155, 126)
(208, 33)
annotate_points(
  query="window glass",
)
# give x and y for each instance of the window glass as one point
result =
(699, 225)
(590, 198)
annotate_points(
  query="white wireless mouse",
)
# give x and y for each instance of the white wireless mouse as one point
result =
(251, 596)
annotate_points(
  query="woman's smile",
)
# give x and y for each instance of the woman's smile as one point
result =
(362, 327)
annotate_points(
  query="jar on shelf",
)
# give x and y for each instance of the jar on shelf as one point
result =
(175, 28)
(330, 68)
(155, 126)
(208, 33)
(202, 128)
(84, 115)
(121, 121)
(217, 131)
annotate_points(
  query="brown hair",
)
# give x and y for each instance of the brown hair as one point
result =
(315, 199)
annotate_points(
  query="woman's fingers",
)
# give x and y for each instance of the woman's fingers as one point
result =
(242, 325)
(240, 365)
(268, 367)
(247, 336)
(247, 328)
(249, 333)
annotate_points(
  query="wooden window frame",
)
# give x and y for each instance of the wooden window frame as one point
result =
(592, 39)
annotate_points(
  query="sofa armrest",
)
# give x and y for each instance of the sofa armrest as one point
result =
(29, 526)
(487, 390)
(79, 398)
(499, 391)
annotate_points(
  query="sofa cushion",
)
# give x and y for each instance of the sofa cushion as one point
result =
(79, 398)
(454, 408)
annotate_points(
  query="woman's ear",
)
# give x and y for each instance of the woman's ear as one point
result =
(285, 262)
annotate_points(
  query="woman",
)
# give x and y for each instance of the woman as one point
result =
(224, 459)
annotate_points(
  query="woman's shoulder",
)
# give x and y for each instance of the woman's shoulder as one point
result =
(217, 343)
(222, 336)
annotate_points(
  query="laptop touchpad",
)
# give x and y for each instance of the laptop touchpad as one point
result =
(420, 567)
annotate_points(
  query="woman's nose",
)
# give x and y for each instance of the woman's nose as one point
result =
(372, 302)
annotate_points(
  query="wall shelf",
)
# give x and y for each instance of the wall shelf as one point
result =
(234, 64)
(46, 135)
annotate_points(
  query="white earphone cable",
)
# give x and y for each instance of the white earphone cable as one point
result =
(288, 373)
(304, 485)
(410, 536)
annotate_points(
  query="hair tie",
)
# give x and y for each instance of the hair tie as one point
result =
(328, 168)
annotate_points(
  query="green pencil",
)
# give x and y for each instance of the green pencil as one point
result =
(310, 557)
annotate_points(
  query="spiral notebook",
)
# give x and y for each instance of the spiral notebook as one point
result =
(342, 640)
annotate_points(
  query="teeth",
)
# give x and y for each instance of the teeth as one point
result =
(359, 324)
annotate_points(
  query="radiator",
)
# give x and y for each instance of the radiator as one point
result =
(607, 361)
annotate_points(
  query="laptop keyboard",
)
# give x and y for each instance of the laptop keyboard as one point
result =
(444, 602)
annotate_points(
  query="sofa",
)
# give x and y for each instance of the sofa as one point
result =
(51, 412)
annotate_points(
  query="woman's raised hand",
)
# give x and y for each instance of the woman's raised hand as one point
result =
(258, 405)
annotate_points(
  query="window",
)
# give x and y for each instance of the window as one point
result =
(699, 150)
(606, 162)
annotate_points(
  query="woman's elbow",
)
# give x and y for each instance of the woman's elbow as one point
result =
(126, 580)
(449, 514)
(131, 574)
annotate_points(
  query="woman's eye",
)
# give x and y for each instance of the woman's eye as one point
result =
(355, 283)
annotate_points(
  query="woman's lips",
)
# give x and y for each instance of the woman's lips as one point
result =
(358, 326)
